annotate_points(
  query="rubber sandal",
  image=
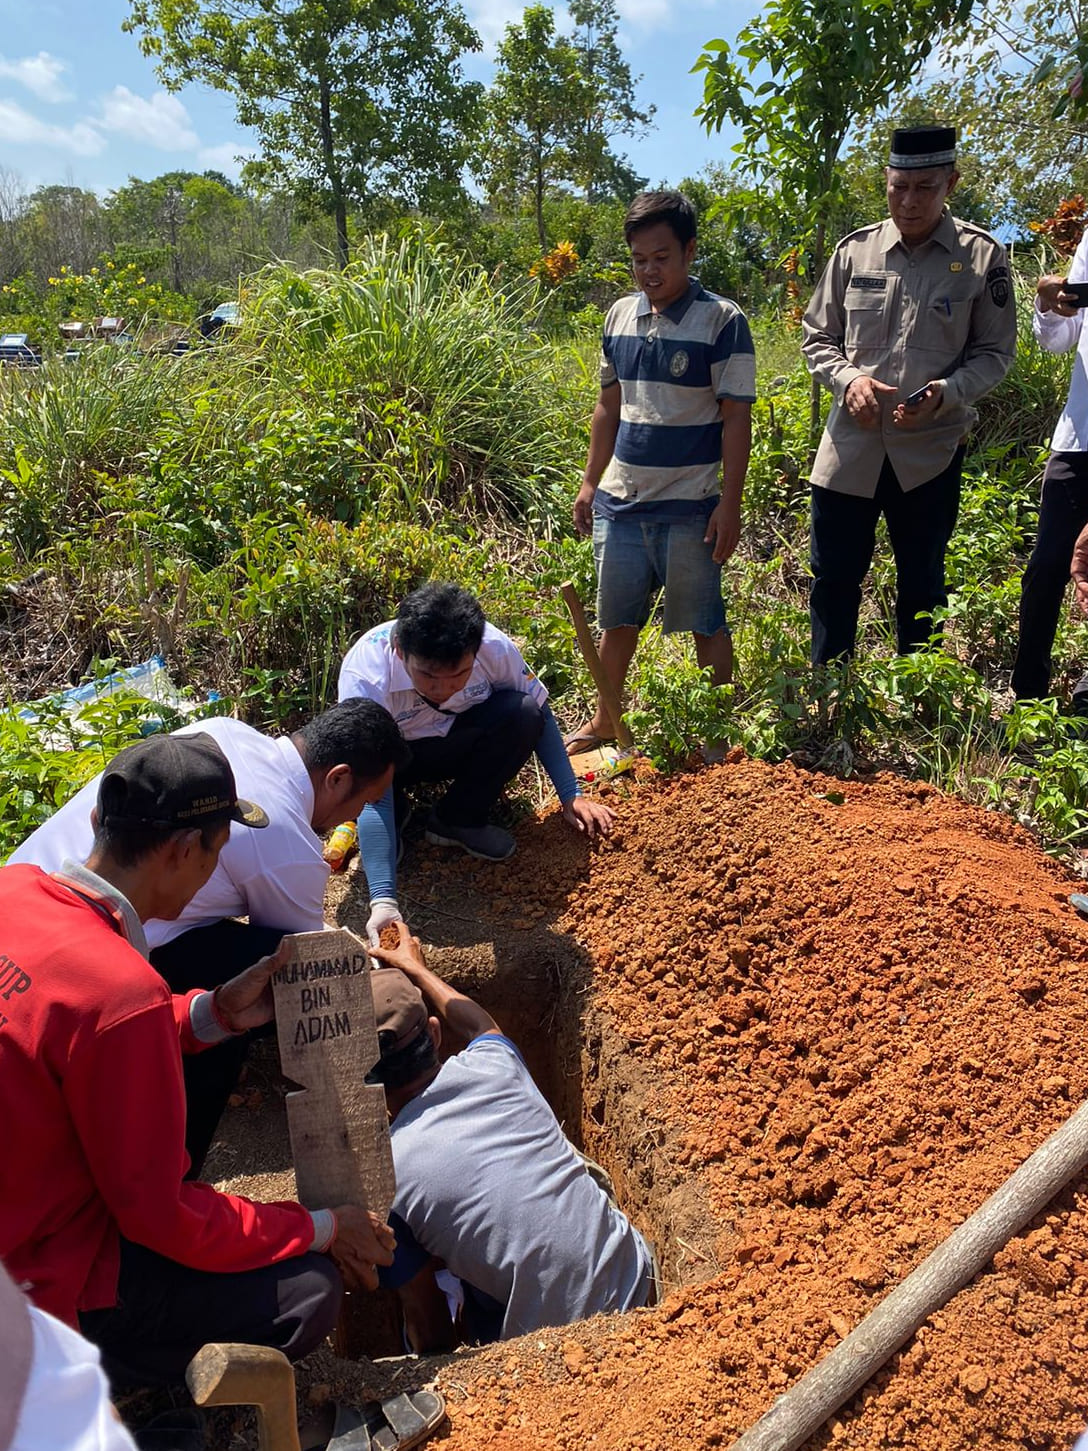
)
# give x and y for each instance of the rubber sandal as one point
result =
(396, 1424)
(405, 1421)
(577, 743)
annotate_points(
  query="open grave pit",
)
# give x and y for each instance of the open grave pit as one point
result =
(808, 1026)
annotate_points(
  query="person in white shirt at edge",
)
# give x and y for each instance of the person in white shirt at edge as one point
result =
(53, 1393)
(309, 781)
(473, 713)
(1061, 543)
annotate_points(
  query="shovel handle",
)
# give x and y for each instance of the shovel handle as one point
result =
(608, 692)
(249, 1375)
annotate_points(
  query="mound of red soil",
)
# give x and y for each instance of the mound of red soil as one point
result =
(851, 1011)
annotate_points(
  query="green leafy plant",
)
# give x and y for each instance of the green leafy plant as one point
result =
(45, 760)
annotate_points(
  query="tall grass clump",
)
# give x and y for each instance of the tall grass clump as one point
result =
(451, 397)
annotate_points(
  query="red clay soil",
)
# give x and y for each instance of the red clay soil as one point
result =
(855, 1008)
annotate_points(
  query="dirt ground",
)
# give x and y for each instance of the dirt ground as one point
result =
(809, 1026)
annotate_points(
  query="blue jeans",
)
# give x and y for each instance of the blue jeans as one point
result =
(637, 557)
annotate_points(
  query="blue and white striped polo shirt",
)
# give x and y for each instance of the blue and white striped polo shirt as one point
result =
(672, 368)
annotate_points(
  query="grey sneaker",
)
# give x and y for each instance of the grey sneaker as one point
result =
(491, 843)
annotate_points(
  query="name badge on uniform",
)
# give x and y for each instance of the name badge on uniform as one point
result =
(955, 266)
(869, 284)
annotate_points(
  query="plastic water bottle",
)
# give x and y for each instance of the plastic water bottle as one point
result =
(341, 846)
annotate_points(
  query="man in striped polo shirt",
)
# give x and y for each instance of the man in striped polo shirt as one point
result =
(668, 451)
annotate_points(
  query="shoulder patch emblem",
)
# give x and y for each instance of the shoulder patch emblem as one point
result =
(870, 284)
(997, 280)
(678, 363)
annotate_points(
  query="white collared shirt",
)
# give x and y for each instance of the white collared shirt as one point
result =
(374, 670)
(1057, 334)
(276, 876)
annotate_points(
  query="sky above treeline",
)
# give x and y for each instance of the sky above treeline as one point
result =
(80, 105)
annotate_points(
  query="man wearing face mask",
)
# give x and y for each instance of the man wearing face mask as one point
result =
(912, 321)
(473, 713)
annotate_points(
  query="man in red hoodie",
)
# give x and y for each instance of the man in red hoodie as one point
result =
(97, 1221)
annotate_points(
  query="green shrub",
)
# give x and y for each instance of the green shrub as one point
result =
(44, 761)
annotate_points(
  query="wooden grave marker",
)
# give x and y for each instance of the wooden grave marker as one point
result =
(339, 1125)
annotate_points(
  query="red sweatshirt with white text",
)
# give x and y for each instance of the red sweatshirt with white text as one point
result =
(92, 1106)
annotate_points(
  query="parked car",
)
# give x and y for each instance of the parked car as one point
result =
(16, 352)
(225, 318)
(81, 335)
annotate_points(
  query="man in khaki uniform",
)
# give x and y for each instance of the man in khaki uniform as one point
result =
(911, 322)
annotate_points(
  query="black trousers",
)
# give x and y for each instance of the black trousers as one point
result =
(842, 540)
(166, 1312)
(486, 747)
(206, 957)
(1063, 513)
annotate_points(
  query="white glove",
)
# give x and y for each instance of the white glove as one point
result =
(383, 910)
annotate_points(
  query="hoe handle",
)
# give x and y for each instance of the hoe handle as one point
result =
(249, 1375)
(608, 692)
(803, 1409)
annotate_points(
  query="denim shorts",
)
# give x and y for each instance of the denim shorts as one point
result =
(636, 558)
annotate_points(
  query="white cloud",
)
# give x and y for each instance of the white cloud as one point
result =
(491, 17)
(38, 73)
(645, 15)
(162, 121)
(19, 127)
(229, 158)
(650, 15)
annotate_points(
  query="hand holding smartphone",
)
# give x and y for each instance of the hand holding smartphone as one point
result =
(918, 396)
(1075, 294)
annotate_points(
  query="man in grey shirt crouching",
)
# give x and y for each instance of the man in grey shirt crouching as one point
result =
(488, 1186)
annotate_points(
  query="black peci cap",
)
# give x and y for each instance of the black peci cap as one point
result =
(916, 147)
(179, 781)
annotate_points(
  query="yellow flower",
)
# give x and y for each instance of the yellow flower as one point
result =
(560, 262)
(94, 271)
(53, 281)
(140, 281)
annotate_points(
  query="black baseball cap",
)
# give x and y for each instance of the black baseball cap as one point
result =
(178, 780)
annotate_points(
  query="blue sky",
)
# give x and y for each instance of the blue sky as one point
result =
(79, 103)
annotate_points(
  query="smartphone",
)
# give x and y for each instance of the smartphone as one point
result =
(1079, 290)
(916, 397)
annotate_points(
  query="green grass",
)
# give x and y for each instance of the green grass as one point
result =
(413, 419)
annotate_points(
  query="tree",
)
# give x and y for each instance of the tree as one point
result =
(203, 225)
(353, 101)
(1017, 88)
(61, 224)
(537, 89)
(556, 105)
(830, 62)
(609, 94)
(805, 71)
